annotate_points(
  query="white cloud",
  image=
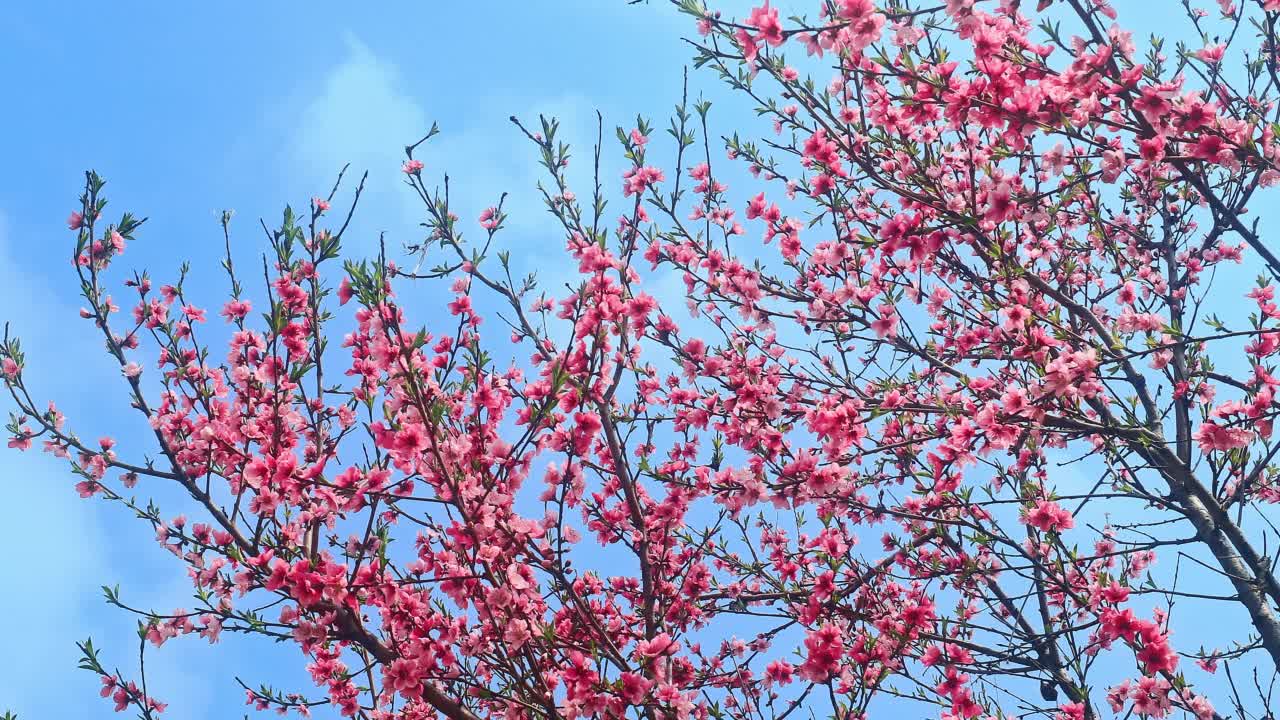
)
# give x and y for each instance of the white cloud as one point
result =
(362, 117)
(53, 568)
(57, 543)
(364, 114)
(54, 559)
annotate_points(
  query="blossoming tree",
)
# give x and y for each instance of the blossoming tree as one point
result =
(968, 416)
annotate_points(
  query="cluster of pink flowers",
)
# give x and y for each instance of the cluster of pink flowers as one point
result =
(840, 478)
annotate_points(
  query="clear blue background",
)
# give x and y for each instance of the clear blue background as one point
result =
(189, 109)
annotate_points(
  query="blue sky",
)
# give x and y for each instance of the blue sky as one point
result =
(189, 109)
